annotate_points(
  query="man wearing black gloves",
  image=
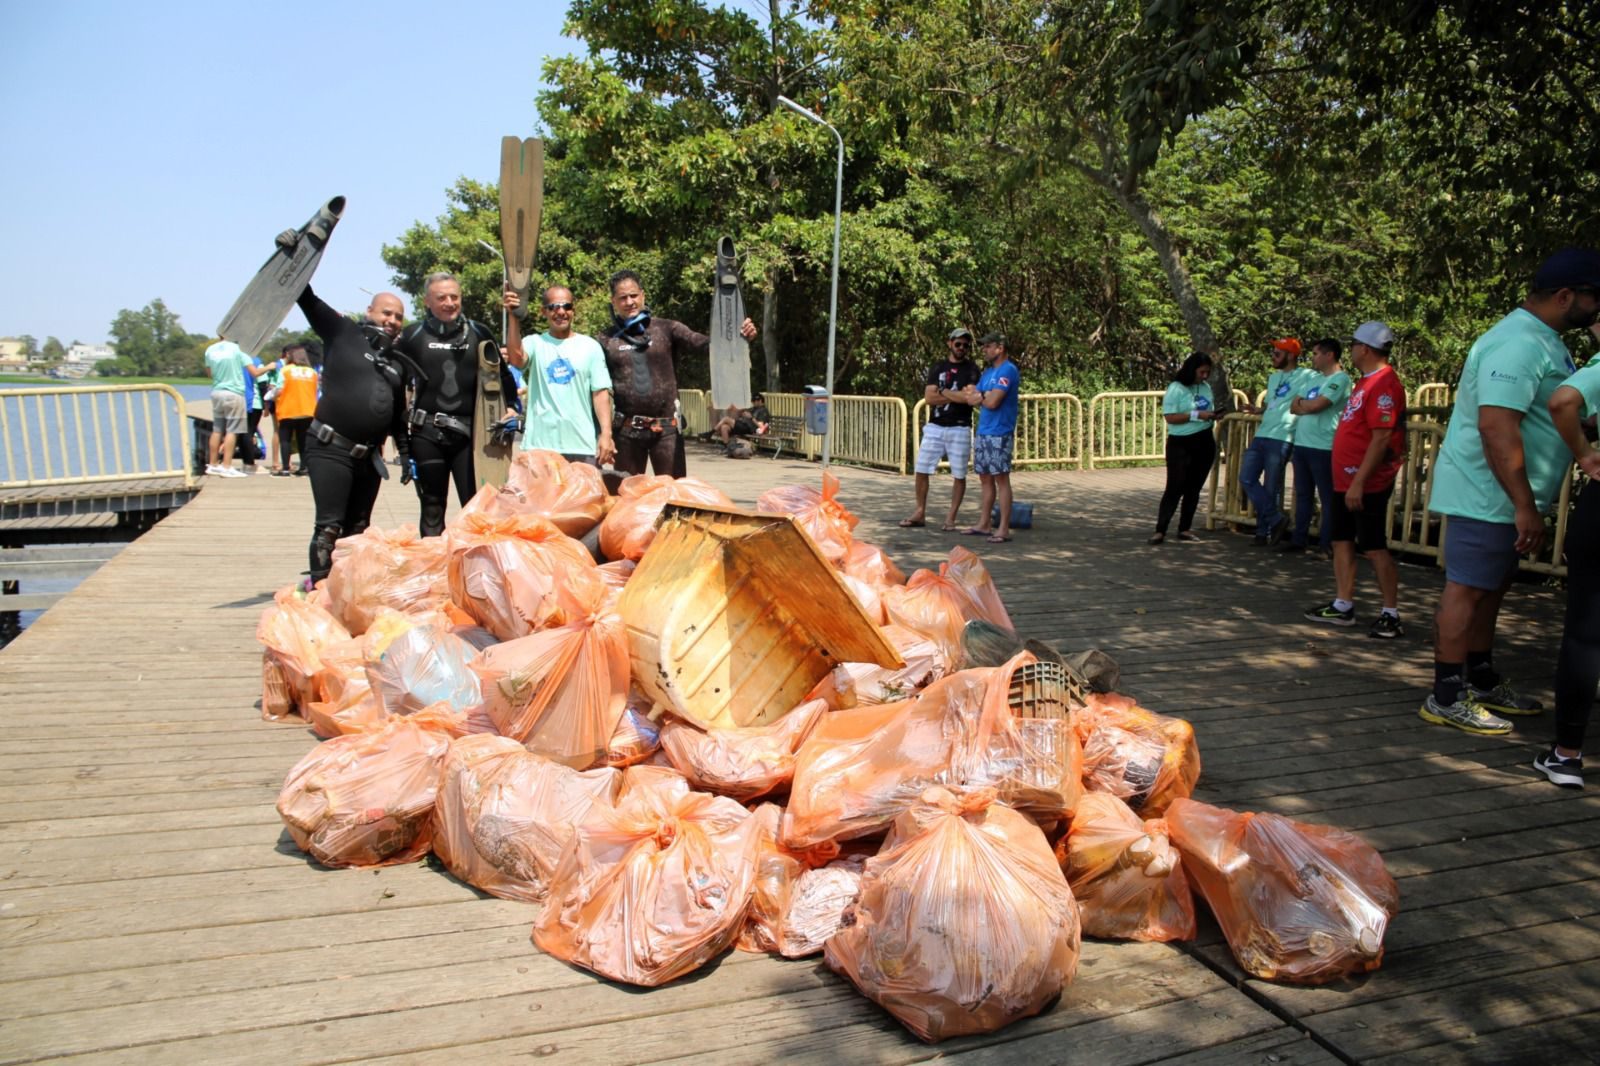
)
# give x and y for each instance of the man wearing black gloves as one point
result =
(639, 355)
(444, 346)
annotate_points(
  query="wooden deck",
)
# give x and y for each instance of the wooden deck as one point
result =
(152, 909)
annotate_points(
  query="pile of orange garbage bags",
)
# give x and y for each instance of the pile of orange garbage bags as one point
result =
(941, 851)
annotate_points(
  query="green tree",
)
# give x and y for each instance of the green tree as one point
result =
(30, 347)
(154, 341)
(53, 350)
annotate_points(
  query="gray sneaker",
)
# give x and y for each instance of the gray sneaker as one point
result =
(1503, 699)
(1466, 714)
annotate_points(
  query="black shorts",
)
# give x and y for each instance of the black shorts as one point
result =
(744, 427)
(1368, 527)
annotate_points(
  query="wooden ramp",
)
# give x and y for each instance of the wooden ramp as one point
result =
(153, 910)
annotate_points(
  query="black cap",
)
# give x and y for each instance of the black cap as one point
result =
(993, 337)
(1569, 268)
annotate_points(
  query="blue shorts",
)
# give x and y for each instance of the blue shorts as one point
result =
(992, 455)
(1479, 555)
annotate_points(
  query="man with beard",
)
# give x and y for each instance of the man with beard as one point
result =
(1499, 469)
(444, 346)
(640, 353)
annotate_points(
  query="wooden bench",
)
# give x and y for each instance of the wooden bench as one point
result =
(783, 429)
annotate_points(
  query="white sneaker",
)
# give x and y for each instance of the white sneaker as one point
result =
(213, 468)
(228, 471)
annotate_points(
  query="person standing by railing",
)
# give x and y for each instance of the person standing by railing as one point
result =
(297, 404)
(1317, 404)
(230, 367)
(1267, 458)
(996, 397)
(1500, 468)
(1188, 410)
(1574, 403)
(948, 434)
(1368, 449)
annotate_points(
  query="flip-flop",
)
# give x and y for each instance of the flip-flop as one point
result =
(975, 533)
(906, 523)
(1188, 538)
(948, 528)
(996, 539)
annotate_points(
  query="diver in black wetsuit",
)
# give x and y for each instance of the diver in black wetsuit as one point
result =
(362, 402)
(444, 345)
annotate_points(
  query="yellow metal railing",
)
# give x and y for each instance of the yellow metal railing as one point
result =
(1126, 427)
(696, 407)
(870, 430)
(79, 434)
(1433, 394)
(1050, 430)
(1411, 529)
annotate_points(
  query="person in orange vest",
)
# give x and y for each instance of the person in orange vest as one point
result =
(297, 403)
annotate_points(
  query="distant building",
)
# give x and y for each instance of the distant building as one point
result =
(11, 357)
(90, 354)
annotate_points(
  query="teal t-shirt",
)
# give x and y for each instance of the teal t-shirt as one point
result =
(562, 376)
(226, 361)
(1277, 423)
(1316, 429)
(1587, 384)
(1183, 400)
(1516, 365)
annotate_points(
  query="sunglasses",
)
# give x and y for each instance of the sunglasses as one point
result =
(960, 344)
(558, 307)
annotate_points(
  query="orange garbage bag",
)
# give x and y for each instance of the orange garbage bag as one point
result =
(367, 799)
(1306, 904)
(870, 563)
(356, 710)
(1127, 877)
(630, 525)
(964, 923)
(860, 683)
(1144, 758)
(868, 596)
(516, 574)
(940, 605)
(391, 568)
(777, 872)
(820, 514)
(560, 691)
(637, 737)
(412, 663)
(655, 887)
(293, 633)
(741, 763)
(570, 495)
(817, 903)
(861, 768)
(505, 815)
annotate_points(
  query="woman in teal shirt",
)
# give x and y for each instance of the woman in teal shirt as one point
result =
(1191, 449)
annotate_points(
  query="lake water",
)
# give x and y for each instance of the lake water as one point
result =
(116, 434)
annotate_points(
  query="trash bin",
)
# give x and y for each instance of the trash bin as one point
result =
(816, 409)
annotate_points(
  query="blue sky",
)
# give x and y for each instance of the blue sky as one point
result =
(154, 149)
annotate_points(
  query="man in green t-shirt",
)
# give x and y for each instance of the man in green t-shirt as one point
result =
(1318, 400)
(1265, 460)
(1500, 467)
(568, 409)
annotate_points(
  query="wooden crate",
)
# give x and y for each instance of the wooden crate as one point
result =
(732, 617)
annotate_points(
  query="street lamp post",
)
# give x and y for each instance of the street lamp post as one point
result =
(833, 297)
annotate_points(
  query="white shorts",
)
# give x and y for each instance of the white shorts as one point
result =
(945, 442)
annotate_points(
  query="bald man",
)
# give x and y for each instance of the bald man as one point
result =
(362, 402)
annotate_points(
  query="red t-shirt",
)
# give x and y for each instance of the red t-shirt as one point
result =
(1377, 401)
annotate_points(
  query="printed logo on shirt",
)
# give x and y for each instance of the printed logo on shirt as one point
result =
(1351, 469)
(1353, 408)
(559, 371)
(1283, 390)
(1315, 391)
(1201, 403)
(1002, 382)
(1501, 375)
(1386, 400)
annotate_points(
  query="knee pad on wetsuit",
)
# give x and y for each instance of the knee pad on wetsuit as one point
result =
(322, 542)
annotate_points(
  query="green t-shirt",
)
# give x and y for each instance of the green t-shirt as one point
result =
(1316, 429)
(1277, 423)
(1516, 365)
(226, 361)
(1586, 382)
(1183, 400)
(562, 376)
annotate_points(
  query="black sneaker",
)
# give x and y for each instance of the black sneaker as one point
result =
(1332, 615)
(1279, 531)
(1386, 627)
(1568, 773)
(1503, 699)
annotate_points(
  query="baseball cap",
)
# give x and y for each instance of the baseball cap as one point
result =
(1373, 335)
(1287, 344)
(992, 337)
(1568, 269)
(959, 332)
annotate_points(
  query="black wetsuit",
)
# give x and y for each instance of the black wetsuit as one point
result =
(441, 443)
(645, 385)
(363, 400)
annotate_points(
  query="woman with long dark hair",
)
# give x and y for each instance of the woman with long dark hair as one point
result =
(1191, 449)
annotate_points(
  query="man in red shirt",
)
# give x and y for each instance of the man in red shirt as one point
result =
(1368, 449)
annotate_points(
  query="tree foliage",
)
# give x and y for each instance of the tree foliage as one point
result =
(152, 342)
(1110, 184)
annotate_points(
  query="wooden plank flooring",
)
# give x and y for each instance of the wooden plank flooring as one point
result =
(153, 910)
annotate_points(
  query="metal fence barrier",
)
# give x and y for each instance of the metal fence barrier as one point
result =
(72, 435)
(1412, 528)
(695, 405)
(870, 430)
(1433, 394)
(1050, 430)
